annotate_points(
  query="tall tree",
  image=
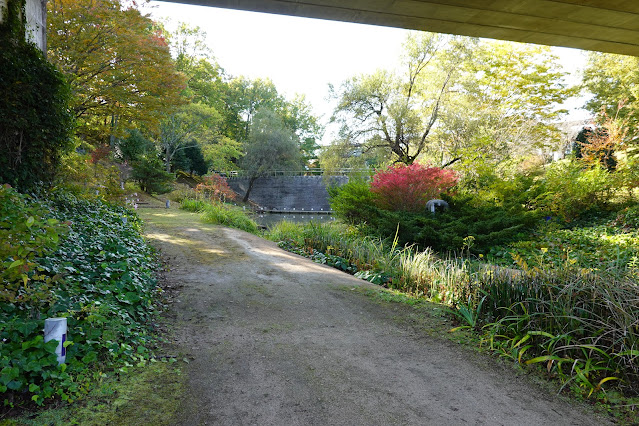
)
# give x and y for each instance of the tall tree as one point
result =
(297, 115)
(117, 63)
(244, 97)
(614, 82)
(399, 111)
(271, 146)
(205, 79)
(193, 124)
(506, 104)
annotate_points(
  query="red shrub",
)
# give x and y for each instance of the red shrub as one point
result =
(215, 187)
(402, 187)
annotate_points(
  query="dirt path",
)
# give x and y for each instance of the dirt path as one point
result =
(278, 340)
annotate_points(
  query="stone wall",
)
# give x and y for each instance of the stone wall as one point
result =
(288, 193)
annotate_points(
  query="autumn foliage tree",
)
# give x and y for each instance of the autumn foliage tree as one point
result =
(408, 188)
(117, 63)
(215, 188)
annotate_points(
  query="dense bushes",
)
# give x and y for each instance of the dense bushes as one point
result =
(569, 190)
(84, 260)
(36, 121)
(488, 223)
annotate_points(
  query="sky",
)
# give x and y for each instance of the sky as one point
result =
(303, 55)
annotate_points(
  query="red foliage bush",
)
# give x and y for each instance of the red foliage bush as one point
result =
(215, 187)
(408, 188)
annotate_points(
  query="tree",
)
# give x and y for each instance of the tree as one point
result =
(196, 162)
(398, 112)
(117, 63)
(132, 147)
(298, 117)
(205, 81)
(149, 173)
(243, 99)
(184, 128)
(271, 146)
(614, 82)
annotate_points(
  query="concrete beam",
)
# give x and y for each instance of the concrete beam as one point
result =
(602, 25)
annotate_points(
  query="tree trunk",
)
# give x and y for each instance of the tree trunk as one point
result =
(248, 191)
(167, 160)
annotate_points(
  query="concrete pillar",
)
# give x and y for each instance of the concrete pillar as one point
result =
(36, 13)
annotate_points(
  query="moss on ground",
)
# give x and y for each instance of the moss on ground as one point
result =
(148, 395)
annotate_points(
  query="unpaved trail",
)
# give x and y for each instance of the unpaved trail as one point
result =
(276, 339)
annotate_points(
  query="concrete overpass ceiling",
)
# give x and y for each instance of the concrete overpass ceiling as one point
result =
(604, 25)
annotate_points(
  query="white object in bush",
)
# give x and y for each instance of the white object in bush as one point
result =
(56, 329)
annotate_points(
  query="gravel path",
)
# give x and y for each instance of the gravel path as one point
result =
(276, 339)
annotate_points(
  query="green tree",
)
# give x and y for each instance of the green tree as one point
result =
(244, 97)
(613, 81)
(506, 105)
(205, 79)
(132, 147)
(398, 111)
(149, 174)
(117, 63)
(297, 115)
(271, 146)
(185, 128)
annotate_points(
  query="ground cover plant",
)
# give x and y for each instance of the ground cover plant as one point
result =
(604, 247)
(80, 259)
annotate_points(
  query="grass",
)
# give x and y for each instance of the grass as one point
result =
(221, 214)
(143, 395)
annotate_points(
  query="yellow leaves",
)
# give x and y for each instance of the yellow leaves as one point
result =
(119, 69)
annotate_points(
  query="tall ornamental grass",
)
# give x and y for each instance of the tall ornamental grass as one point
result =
(582, 325)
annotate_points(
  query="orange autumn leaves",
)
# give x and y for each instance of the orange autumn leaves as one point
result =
(117, 63)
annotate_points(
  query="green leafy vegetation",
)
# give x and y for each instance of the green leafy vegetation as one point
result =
(80, 259)
(36, 123)
(221, 214)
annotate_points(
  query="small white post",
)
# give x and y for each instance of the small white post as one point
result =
(56, 329)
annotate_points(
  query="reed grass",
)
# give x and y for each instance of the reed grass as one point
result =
(583, 324)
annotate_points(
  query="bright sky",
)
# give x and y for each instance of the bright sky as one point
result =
(302, 55)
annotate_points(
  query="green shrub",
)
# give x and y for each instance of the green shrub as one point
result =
(192, 205)
(569, 190)
(36, 121)
(233, 217)
(27, 232)
(221, 214)
(149, 173)
(628, 217)
(489, 222)
(353, 202)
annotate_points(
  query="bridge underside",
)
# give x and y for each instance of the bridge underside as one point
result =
(603, 25)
